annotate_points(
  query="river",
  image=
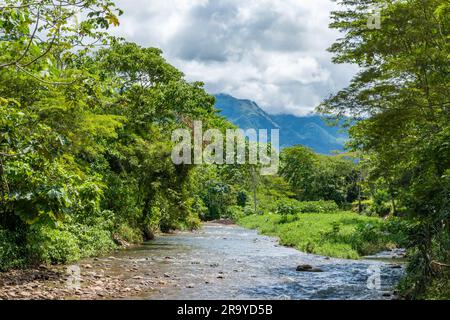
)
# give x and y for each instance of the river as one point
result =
(230, 262)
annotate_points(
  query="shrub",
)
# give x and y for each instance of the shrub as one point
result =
(249, 210)
(397, 229)
(241, 199)
(288, 207)
(92, 240)
(365, 206)
(12, 252)
(235, 212)
(370, 238)
(318, 206)
(53, 245)
(69, 241)
(191, 222)
(292, 207)
(128, 234)
(381, 203)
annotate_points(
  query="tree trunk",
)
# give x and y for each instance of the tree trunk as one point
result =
(394, 208)
(255, 200)
(360, 179)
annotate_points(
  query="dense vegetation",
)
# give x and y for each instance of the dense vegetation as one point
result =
(401, 95)
(308, 213)
(85, 144)
(336, 234)
(85, 139)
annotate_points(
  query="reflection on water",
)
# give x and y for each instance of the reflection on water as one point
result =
(229, 262)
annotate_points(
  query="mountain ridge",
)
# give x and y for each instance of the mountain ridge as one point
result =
(310, 131)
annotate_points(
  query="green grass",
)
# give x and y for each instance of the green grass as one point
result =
(341, 234)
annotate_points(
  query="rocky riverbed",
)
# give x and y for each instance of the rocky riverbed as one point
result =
(94, 281)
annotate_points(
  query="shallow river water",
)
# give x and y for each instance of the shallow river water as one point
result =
(230, 262)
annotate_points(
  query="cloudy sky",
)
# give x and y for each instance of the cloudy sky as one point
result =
(272, 52)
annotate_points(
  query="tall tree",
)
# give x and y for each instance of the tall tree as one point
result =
(401, 95)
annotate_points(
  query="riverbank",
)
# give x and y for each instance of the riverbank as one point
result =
(91, 279)
(342, 234)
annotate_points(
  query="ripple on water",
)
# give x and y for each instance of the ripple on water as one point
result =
(230, 262)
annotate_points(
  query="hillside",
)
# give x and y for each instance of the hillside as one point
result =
(310, 131)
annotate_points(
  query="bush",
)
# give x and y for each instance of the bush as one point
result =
(191, 222)
(128, 234)
(291, 207)
(382, 203)
(397, 229)
(68, 242)
(370, 238)
(53, 245)
(92, 240)
(288, 207)
(12, 252)
(365, 206)
(241, 199)
(235, 212)
(318, 206)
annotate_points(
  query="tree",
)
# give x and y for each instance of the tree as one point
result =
(320, 177)
(401, 95)
(31, 30)
(85, 139)
(298, 168)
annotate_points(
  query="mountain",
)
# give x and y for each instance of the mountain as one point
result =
(310, 131)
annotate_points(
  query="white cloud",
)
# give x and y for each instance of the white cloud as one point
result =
(272, 52)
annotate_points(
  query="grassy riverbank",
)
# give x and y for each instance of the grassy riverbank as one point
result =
(341, 234)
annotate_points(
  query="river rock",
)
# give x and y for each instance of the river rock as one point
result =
(308, 268)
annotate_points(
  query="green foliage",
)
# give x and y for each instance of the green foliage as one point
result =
(242, 198)
(288, 207)
(128, 234)
(85, 137)
(292, 206)
(12, 250)
(235, 212)
(400, 97)
(318, 206)
(85, 143)
(67, 242)
(218, 198)
(318, 177)
(30, 31)
(341, 234)
(53, 245)
(371, 238)
(92, 240)
(380, 204)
